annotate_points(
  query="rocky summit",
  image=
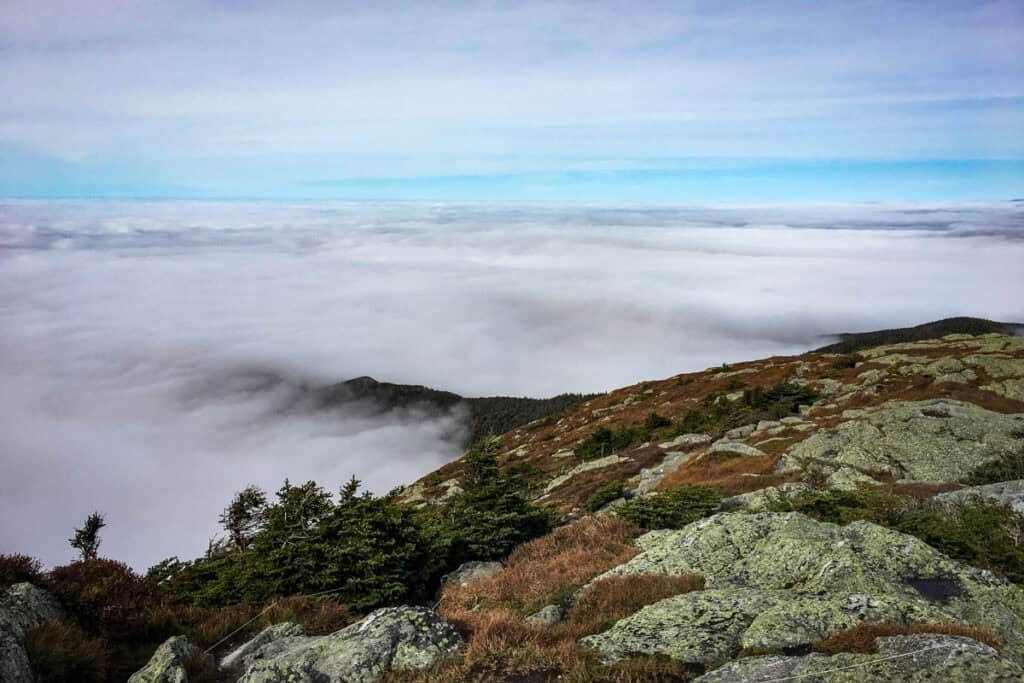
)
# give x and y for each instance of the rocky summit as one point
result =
(826, 517)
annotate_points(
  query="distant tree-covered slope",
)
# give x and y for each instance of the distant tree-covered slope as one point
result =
(855, 341)
(487, 415)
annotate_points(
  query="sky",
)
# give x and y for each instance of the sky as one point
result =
(596, 101)
(134, 335)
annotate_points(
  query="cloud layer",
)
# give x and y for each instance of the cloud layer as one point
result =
(134, 335)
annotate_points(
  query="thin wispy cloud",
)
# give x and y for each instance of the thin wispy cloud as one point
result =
(206, 98)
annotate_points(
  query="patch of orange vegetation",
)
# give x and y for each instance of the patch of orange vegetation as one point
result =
(501, 646)
(861, 638)
(538, 570)
(731, 475)
(923, 490)
(490, 612)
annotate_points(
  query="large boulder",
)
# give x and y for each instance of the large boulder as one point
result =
(936, 440)
(393, 638)
(784, 580)
(167, 665)
(22, 608)
(901, 658)
(268, 643)
(714, 625)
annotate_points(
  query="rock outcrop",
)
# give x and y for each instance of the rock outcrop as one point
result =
(936, 440)
(394, 638)
(22, 608)
(268, 643)
(900, 658)
(1009, 493)
(167, 665)
(781, 581)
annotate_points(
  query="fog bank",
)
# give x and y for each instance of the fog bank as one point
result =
(133, 336)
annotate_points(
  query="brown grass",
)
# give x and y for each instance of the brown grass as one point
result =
(207, 626)
(731, 475)
(861, 638)
(546, 569)
(922, 490)
(501, 647)
(608, 600)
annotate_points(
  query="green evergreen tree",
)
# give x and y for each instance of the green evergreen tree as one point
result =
(87, 539)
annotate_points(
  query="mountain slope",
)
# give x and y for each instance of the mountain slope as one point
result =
(855, 341)
(486, 415)
(920, 411)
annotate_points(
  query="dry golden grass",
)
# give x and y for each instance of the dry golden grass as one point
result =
(923, 491)
(861, 638)
(731, 475)
(501, 647)
(490, 612)
(544, 570)
(207, 626)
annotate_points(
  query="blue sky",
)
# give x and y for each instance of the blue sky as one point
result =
(640, 101)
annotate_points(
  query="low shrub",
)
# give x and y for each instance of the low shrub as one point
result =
(19, 568)
(60, 652)
(861, 638)
(606, 441)
(718, 414)
(1010, 466)
(604, 495)
(655, 421)
(977, 531)
(107, 598)
(671, 509)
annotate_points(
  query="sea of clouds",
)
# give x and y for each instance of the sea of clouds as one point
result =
(134, 336)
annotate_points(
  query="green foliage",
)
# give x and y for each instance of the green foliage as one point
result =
(976, 531)
(60, 652)
(672, 509)
(243, 517)
(604, 495)
(87, 539)
(848, 360)
(491, 516)
(1006, 468)
(718, 414)
(368, 551)
(19, 568)
(655, 421)
(605, 441)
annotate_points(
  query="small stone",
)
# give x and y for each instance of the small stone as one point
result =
(546, 616)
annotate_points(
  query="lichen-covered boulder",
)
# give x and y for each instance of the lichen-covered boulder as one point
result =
(901, 658)
(22, 608)
(935, 440)
(393, 638)
(167, 665)
(468, 572)
(715, 625)
(267, 643)
(1010, 493)
(784, 579)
